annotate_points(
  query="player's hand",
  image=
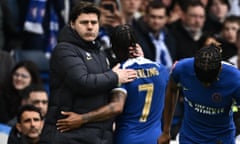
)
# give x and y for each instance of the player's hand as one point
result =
(124, 75)
(164, 138)
(72, 121)
(136, 51)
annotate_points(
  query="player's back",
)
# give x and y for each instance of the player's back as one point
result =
(140, 121)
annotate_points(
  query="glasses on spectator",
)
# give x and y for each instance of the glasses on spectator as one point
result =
(24, 76)
(40, 101)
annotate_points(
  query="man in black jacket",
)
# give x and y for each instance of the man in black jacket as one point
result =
(81, 80)
(28, 127)
(153, 35)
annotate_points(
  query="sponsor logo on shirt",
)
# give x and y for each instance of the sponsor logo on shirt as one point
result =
(199, 108)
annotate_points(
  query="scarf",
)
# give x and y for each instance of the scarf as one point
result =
(53, 31)
(35, 15)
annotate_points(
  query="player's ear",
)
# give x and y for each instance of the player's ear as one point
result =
(18, 127)
(72, 24)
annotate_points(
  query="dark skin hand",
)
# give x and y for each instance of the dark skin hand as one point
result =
(136, 51)
(169, 108)
(164, 139)
(74, 120)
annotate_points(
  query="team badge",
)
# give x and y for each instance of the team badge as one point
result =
(89, 57)
(216, 97)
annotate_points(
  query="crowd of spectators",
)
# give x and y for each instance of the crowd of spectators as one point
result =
(168, 30)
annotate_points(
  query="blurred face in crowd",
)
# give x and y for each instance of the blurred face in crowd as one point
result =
(204, 2)
(129, 7)
(219, 9)
(143, 5)
(156, 19)
(229, 32)
(110, 13)
(87, 26)
(113, 3)
(40, 100)
(194, 18)
(167, 3)
(30, 125)
(21, 78)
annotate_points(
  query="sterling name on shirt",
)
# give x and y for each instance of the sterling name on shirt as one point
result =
(145, 73)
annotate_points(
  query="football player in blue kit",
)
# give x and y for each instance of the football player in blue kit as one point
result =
(140, 121)
(209, 88)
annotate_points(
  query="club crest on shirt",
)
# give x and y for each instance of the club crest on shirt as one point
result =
(216, 97)
(88, 56)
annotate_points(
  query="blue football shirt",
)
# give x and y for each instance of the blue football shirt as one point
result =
(207, 110)
(140, 122)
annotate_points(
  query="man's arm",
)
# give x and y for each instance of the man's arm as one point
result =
(110, 110)
(169, 108)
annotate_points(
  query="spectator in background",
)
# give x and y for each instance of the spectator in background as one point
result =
(35, 95)
(81, 79)
(188, 32)
(167, 3)
(143, 6)
(228, 38)
(29, 126)
(23, 75)
(130, 10)
(230, 27)
(205, 2)
(39, 22)
(157, 42)
(110, 13)
(111, 16)
(120, 12)
(217, 11)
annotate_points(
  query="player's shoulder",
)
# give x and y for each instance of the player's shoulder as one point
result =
(138, 61)
(228, 64)
(229, 68)
(183, 63)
